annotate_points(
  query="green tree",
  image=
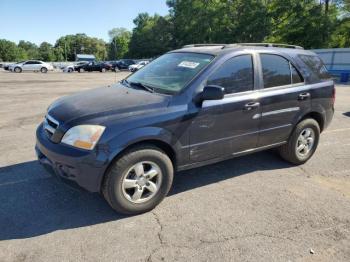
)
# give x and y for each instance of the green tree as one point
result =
(46, 52)
(31, 50)
(119, 43)
(341, 35)
(215, 21)
(10, 52)
(306, 23)
(70, 45)
(151, 36)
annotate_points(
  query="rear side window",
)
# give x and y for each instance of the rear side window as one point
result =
(296, 76)
(235, 75)
(276, 70)
(316, 65)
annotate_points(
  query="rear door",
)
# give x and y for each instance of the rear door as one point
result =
(225, 127)
(37, 65)
(284, 97)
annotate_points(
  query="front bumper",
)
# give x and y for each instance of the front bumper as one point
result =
(72, 165)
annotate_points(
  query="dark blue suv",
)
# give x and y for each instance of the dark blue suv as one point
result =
(190, 107)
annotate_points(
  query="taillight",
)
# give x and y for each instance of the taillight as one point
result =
(333, 96)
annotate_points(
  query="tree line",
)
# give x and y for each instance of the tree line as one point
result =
(309, 23)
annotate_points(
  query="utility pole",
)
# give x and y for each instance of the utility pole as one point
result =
(115, 49)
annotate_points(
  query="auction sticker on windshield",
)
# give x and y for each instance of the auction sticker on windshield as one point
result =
(188, 64)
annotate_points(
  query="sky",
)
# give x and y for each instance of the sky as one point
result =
(47, 20)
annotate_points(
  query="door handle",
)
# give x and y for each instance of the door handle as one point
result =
(251, 105)
(303, 96)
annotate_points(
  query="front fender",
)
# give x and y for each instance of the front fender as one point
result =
(137, 135)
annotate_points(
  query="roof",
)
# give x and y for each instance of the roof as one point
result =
(85, 56)
(221, 49)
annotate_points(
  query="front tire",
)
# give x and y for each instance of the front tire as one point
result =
(302, 143)
(18, 69)
(139, 180)
(43, 70)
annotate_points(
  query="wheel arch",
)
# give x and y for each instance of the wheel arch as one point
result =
(162, 145)
(319, 117)
(161, 142)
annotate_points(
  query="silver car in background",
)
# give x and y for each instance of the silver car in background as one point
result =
(31, 65)
(137, 66)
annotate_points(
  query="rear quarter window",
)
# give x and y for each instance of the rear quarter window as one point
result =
(316, 65)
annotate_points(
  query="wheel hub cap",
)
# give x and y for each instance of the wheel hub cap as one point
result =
(141, 182)
(305, 142)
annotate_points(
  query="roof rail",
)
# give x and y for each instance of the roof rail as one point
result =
(204, 45)
(266, 45)
(245, 44)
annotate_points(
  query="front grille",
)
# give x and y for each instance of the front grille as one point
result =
(50, 125)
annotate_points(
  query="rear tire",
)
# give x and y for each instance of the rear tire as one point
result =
(103, 70)
(43, 70)
(302, 143)
(18, 70)
(122, 197)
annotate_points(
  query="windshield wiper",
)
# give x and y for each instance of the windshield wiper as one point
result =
(143, 86)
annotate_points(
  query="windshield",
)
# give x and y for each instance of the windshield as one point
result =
(171, 72)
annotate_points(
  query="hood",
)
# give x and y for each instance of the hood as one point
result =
(117, 100)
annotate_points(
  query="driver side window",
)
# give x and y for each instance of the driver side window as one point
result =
(235, 75)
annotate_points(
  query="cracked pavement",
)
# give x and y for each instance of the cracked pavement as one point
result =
(252, 208)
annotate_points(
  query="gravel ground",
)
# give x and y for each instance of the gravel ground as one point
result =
(252, 208)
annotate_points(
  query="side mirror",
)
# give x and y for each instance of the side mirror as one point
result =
(212, 92)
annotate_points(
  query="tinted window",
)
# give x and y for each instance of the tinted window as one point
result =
(33, 63)
(276, 71)
(316, 65)
(296, 77)
(235, 75)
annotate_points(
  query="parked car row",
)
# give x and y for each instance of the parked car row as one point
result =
(83, 66)
(93, 66)
(122, 64)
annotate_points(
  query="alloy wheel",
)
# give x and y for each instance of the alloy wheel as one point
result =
(305, 142)
(141, 182)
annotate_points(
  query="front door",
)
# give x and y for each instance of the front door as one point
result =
(28, 66)
(225, 127)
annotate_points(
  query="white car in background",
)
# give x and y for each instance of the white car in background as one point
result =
(137, 66)
(31, 65)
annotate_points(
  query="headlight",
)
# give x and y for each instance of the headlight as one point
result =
(83, 136)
